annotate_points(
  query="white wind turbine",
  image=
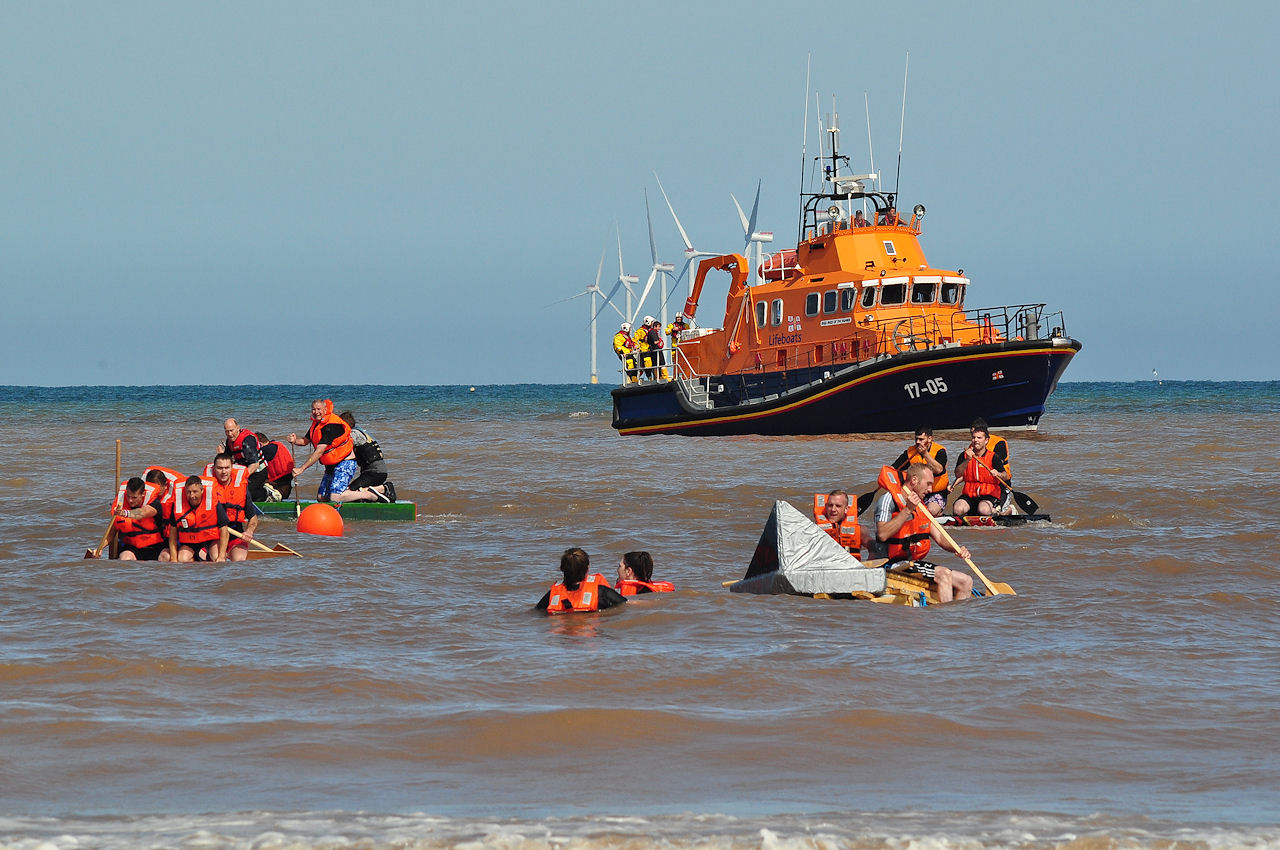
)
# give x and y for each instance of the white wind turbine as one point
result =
(624, 280)
(654, 270)
(593, 290)
(756, 258)
(690, 253)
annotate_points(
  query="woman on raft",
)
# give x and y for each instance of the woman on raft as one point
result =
(635, 575)
(578, 591)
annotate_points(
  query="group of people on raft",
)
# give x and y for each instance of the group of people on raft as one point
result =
(914, 484)
(166, 516)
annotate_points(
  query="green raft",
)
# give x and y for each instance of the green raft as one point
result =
(397, 511)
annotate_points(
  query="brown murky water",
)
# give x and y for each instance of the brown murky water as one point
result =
(393, 687)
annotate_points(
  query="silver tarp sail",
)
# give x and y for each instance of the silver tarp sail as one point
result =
(795, 556)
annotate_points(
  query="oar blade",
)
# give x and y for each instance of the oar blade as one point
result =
(1025, 503)
(865, 500)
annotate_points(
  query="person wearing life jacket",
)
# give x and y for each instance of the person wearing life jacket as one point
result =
(924, 450)
(137, 526)
(371, 485)
(983, 471)
(677, 327)
(831, 513)
(199, 528)
(231, 494)
(577, 591)
(332, 447)
(641, 340)
(635, 576)
(278, 458)
(624, 347)
(657, 357)
(905, 532)
(247, 448)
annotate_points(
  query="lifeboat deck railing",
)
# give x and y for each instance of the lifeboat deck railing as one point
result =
(794, 371)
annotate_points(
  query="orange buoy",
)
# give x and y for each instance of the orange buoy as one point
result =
(320, 519)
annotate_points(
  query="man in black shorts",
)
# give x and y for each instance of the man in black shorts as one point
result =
(983, 470)
(904, 534)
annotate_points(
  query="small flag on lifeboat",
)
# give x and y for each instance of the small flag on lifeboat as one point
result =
(997, 375)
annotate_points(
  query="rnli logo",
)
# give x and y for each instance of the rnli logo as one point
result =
(997, 375)
(793, 323)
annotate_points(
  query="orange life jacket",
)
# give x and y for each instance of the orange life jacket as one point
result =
(341, 447)
(172, 474)
(978, 479)
(199, 525)
(912, 540)
(232, 494)
(914, 456)
(992, 442)
(585, 598)
(630, 587)
(139, 533)
(848, 535)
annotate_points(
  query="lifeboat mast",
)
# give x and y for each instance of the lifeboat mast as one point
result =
(848, 188)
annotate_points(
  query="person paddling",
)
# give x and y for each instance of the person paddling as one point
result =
(924, 450)
(983, 471)
(904, 533)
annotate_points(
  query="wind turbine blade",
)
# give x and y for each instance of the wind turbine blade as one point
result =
(600, 268)
(688, 246)
(742, 217)
(648, 284)
(653, 245)
(621, 273)
(755, 208)
(608, 302)
(570, 298)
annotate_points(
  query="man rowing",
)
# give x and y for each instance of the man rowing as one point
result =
(231, 494)
(925, 451)
(904, 534)
(983, 471)
(138, 527)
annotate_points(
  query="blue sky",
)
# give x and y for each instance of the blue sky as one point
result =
(392, 193)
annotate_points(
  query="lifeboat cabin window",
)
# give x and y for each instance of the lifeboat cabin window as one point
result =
(762, 310)
(868, 297)
(811, 304)
(830, 299)
(889, 249)
(848, 297)
(777, 311)
(892, 294)
(922, 293)
(952, 293)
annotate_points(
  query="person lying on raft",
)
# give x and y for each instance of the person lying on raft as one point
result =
(578, 591)
(635, 576)
(904, 534)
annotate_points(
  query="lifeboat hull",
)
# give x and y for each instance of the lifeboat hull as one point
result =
(1007, 384)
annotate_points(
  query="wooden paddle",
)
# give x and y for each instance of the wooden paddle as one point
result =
(1025, 502)
(94, 553)
(996, 588)
(115, 544)
(281, 548)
